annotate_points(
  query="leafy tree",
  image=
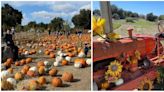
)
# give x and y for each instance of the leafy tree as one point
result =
(97, 12)
(18, 28)
(161, 17)
(10, 16)
(56, 23)
(116, 16)
(151, 17)
(32, 24)
(83, 19)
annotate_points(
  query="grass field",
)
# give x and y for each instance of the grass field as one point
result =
(140, 26)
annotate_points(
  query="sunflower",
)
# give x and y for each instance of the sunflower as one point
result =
(114, 69)
(146, 84)
(113, 36)
(137, 54)
(98, 24)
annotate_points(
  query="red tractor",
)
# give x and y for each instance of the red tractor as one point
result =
(129, 63)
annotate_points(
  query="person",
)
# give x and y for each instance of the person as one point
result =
(10, 43)
(49, 31)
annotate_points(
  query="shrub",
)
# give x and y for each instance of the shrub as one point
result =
(161, 17)
(130, 20)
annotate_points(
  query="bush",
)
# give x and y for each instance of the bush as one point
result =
(130, 20)
(151, 17)
(161, 17)
(116, 16)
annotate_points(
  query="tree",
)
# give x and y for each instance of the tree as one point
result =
(32, 24)
(96, 12)
(151, 17)
(116, 16)
(121, 13)
(56, 23)
(83, 19)
(10, 16)
(161, 17)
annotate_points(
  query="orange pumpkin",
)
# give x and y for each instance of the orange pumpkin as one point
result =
(23, 71)
(42, 80)
(26, 67)
(18, 76)
(7, 64)
(17, 63)
(10, 70)
(81, 60)
(70, 54)
(52, 55)
(64, 62)
(33, 85)
(40, 63)
(56, 82)
(31, 73)
(68, 77)
(41, 70)
(22, 62)
(10, 60)
(28, 60)
(53, 72)
(47, 52)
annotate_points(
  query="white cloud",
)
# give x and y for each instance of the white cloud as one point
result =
(64, 9)
(88, 6)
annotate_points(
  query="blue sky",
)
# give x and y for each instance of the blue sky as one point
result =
(45, 11)
(141, 7)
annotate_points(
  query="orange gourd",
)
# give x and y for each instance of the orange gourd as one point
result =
(56, 82)
(18, 76)
(41, 80)
(53, 72)
(68, 77)
(81, 60)
(64, 62)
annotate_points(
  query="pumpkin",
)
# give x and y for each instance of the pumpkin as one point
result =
(17, 63)
(18, 76)
(10, 60)
(41, 63)
(105, 85)
(58, 58)
(47, 52)
(46, 63)
(41, 80)
(77, 65)
(56, 63)
(89, 61)
(24, 71)
(12, 81)
(52, 55)
(10, 70)
(81, 54)
(68, 77)
(81, 60)
(41, 70)
(26, 67)
(33, 85)
(64, 62)
(5, 85)
(28, 60)
(56, 82)
(7, 64)
(53, 72)
(33, 69)
(4, 74)
(22, 62)
(68, 58)
(31, 73)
